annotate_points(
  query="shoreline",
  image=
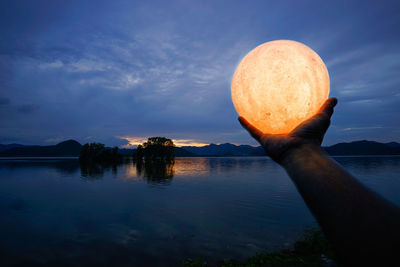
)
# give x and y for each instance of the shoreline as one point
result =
(200, 156)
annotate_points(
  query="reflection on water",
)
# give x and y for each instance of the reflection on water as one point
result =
(191, 167)
(160, 172)
(62, 166)
(96, 171)
(369, 163)
(163, 171)
(59, 212)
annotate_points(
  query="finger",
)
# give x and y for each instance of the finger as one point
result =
(327, 107)
(254, 132)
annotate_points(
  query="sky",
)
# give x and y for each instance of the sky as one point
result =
(118, 72)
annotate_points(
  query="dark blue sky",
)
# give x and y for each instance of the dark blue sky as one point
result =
(114, 71)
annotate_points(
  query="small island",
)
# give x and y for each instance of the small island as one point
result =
(159, 149)
(154, 150)
(98, 153)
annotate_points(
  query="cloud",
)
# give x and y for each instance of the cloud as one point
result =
(55, 140)
(145, 69)
(4, 101)
(87, 65)
(368, 73)
(362, 128)
(27, 108)
(51, 65)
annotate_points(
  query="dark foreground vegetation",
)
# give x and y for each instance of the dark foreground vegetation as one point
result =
(312, 250)
(155, 149)
(97, 153)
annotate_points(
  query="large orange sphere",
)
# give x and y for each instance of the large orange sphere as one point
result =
(278, 85)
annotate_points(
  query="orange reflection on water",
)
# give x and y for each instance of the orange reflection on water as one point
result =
(130, 172)
(180, 168)
(187, 167)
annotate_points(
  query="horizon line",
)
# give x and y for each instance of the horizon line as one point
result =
(133, 146)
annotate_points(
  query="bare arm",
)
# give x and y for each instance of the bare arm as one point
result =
(362, 227)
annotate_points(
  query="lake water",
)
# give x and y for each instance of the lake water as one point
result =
(56, 212)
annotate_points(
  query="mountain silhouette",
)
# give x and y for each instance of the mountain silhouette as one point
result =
(69, 148)
(392, 144)
(226, 149)
(72, 148)
(364, 147)
(7, 147)
(180, 152)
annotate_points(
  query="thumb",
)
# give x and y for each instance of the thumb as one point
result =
(327, 107)
(253, 131)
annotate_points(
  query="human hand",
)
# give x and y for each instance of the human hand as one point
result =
(311, 131)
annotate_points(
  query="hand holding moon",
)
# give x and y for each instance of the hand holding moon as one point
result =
(278, 85)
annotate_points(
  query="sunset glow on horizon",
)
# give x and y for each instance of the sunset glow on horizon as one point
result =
(135, 141)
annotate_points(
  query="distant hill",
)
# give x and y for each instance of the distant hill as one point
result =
(226, 149)
(69, 148)
(178, 151)
(72, 148)
(7, 147)
(393, 144)
(364, 148)
(353, 148)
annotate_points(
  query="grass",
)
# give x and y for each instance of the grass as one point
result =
(312, 250)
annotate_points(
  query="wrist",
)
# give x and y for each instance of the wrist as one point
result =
(300, 153)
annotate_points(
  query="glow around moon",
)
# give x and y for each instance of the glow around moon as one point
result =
(278, 85)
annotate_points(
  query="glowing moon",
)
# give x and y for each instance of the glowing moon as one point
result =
(278, 85)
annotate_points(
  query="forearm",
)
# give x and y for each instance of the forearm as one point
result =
(358, 222)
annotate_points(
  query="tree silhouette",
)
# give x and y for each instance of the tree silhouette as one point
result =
(139, 153)
(155, 149)
(98, 153)
(160, 172)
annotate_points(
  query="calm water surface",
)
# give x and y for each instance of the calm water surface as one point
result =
(56, 212)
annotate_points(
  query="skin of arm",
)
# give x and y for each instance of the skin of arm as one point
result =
(362, 227)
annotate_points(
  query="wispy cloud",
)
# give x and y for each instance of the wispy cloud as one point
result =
(51, 65)
(362, 128)
(147, 68)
